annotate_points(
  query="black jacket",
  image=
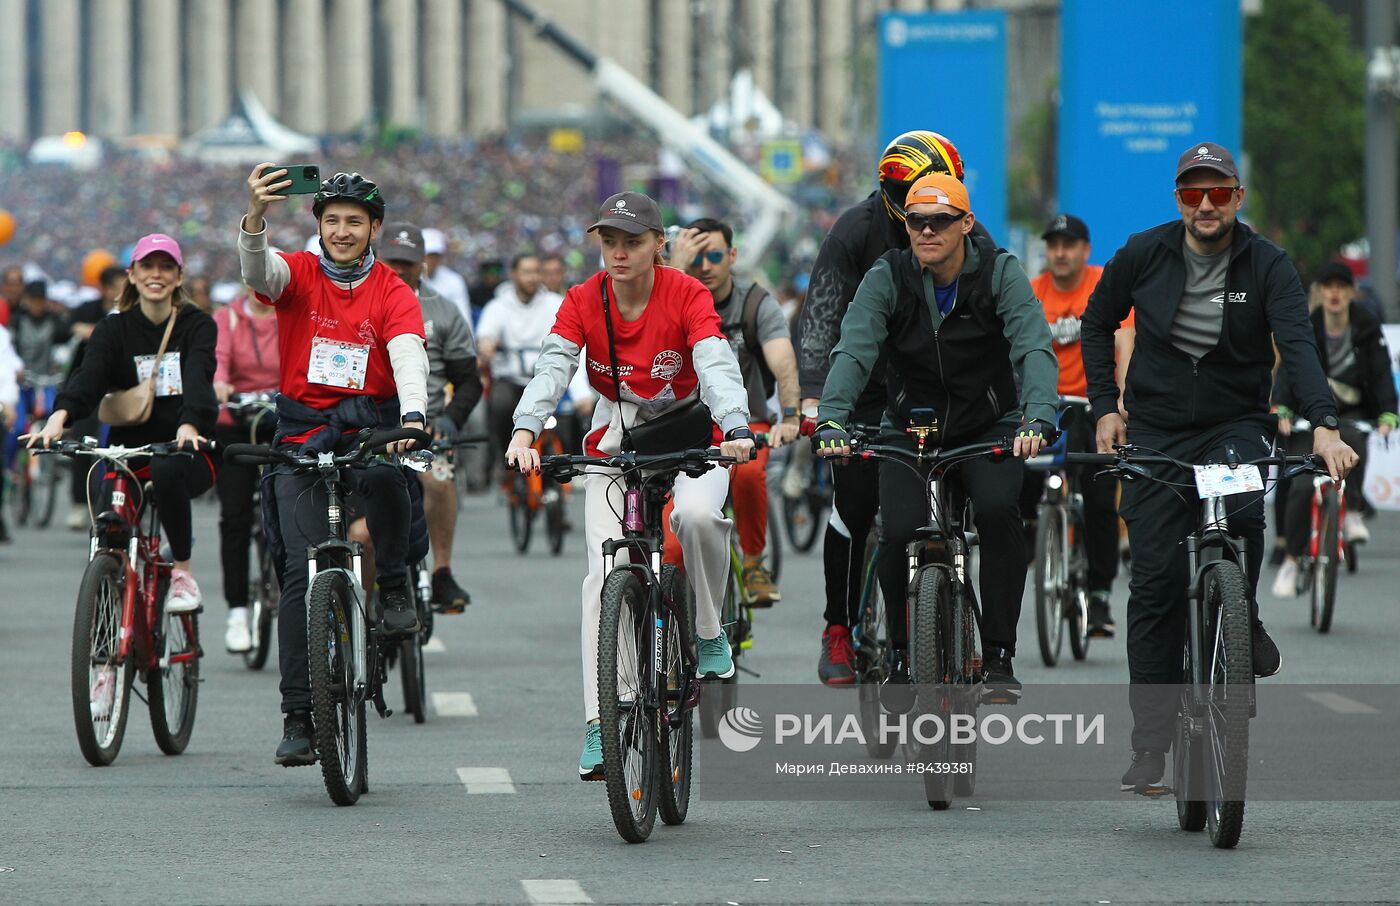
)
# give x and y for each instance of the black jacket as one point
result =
(110, 364)
(1166, 390)
(1372, 361)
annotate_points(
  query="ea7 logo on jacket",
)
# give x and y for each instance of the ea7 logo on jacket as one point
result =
(1235, 299)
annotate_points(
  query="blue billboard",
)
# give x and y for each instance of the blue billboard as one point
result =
(1139, 84)
(964, 55)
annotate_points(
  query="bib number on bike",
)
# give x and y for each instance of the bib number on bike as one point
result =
(1223, 481)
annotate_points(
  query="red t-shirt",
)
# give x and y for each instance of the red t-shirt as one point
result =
(313, 308)
(1070, 305)
(654, 363)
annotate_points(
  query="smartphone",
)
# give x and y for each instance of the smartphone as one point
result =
(306, 178)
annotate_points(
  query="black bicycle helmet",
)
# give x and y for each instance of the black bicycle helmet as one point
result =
(351, 187)
(909, 156)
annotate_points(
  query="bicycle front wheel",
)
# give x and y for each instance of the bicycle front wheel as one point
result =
(1230, 687)
(872, 666)
(928, 667)
(172, 686)
(262, 609)
(44, 496)
(677, 721)
(521, 519)
(626, 681)
(101, 679)
(1050, 583)
(414, 682)
(337, 707)
(1324, 572)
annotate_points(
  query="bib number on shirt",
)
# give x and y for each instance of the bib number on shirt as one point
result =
(170, 381)
(1223, 481)
(337, 364)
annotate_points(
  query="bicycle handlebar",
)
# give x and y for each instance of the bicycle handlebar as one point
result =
(1127, 462)
(370, 443)
(934, 457)
(564, 467)
(83, 448)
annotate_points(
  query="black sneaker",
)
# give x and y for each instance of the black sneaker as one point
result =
(1267, 660)
(1101, 625)
(397, 613)
(4, 533)
(895, 692)
(297, 748)
(449, 596)
(1146, 771)
(998, 679)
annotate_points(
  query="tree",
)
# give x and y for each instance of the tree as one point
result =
(1304, 125)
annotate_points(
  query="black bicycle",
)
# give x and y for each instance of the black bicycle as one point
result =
(348, 654)
(1061, 554)
(253, 410)
(647, 682)
(1211, 749)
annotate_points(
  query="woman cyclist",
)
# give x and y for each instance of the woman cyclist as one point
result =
(121, 351)
(669, 348)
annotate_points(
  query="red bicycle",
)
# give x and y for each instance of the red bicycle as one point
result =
(120, 627)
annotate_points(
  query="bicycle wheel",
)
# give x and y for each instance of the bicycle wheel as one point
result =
(337, 712)
(775, 547)
(1187, 767)
(44, 496)
(521, 519)
(872, 666)
(928, 668)
(172, 686)
(802, 519)
(262, 609)
(20, 492)
(1231, 679)
(677, 721)
(414, 684)
(101, 683)
(1323, 595)
(965, 665)
(554, 523)
(1076, 610)
(627, 719)
(1050, 583)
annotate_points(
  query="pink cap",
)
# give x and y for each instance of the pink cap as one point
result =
(157, 242)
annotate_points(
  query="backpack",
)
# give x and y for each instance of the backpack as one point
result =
(748, 322)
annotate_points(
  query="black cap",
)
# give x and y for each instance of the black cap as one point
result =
(402, 242)
(1210, 156)
(1335, 270)
(631, 212)
(1066, 225)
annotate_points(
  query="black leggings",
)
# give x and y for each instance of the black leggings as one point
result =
(175, 480)
(236, 484)
(856, 486)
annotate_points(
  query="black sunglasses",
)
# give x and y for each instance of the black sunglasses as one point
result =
(936, 222)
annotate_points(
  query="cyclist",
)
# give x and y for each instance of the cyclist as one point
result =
(554, 273)
(350, 339)
(1208, 291)
(1063, 290)
(857, 240)
(953, 317)
(759, 335)
(121, 353)
(111, 281)
(449, 284)
(1356, 360)
(248, 362)
(669, 347)
(38, 332)
(451, 360)
(11, 289)
(9, 399)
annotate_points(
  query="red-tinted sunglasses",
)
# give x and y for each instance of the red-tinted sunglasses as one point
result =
(1218, 195)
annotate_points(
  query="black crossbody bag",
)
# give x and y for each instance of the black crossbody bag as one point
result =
(689, 426)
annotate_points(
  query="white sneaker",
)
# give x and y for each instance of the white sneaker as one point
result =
(1286, 582)
(77, 519)
(184, 596)
(237, 638)
(1354, 530)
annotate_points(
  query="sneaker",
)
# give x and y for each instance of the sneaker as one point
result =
(896, 693)
(1286, 582)
(237, 638)
(1146, 771)
(759, 589)
(1267, 660)
(77, 520)
(1101, 625)
(102, 694)
(997, 673)
(715, 659)
(297, 748)
(4, 532)
(450, 597)
(397, 614)
(1277, 555)
(590, 763)
(184, 596)
(1354, 530)
(835, 666)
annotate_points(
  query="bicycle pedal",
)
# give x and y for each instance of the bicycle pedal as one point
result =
(1001, 697)
(1154, 791)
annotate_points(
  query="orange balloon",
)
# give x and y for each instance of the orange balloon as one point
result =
(7, 227)
(94, 263)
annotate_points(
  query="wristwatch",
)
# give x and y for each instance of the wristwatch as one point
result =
(743, 432)
(413, 417)
(790, 412)
(1329, 422)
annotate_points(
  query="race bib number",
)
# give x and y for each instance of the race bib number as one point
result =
(337, 364)
(1222, 481)
(170, 380)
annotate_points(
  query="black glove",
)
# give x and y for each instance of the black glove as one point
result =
(445, 426)
(830, 436)
(1047, 432)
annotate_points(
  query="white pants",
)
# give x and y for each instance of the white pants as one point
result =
(698, 521)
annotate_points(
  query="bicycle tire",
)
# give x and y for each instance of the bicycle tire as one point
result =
(554, 523)
(411, 671)
(97, 632)
(1076, 590)
(521, 519)
(872, 667)
(965, 660)
(44, 499)
(338, 718)
(630, 755)
(263, 609)
(1323, 591)
(20, 493)
(1187, 766)
(677, 743)
(1049, 584)
(1231, 680)
(802, 520)
(928, 669)
(775, 547)
(172, 691)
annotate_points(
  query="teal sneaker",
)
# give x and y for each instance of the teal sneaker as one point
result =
(715, 659)
(590, 763)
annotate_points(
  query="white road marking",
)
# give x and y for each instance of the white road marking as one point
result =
(454, 704)
(1332, 701)
(556, 892)
(486, 780)
(435, 644)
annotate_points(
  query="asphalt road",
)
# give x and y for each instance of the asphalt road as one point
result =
(483, 804)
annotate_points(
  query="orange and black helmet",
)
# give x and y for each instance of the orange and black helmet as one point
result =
(909, 156)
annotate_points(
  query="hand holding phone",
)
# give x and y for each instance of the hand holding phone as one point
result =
(269, 182)
(305, 179)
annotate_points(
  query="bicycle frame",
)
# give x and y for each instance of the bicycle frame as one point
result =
(333, 554)
(1321, 482)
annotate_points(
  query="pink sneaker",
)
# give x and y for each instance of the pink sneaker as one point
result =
(184, 596)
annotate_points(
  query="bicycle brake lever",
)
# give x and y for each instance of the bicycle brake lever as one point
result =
(1131, 471)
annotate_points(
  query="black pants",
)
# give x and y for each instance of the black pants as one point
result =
(1159, 518)
(175, 480)
(856, 491)
(236, 484)
(80, 465)
(301, 512)
(1297, 523)
(993, 488)
(500, 408)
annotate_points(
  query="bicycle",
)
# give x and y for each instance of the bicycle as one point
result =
(262, 609)
(119, 625)
(871, 643)
(349, 656)
(528, 495)
(1211, 748)
(806, 501)
(34, 479)
(647, 664)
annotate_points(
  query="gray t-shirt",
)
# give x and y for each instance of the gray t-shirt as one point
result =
(449, 337)
(1196, 329)
(771, 326)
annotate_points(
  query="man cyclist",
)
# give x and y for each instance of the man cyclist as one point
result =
(37, 332)
(758, 333)
(856, 241)
(449, 284)
(953, 318)
(1208, 291)
(350, 335)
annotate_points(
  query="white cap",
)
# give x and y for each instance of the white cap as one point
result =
(313, 244)
(434, 242)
